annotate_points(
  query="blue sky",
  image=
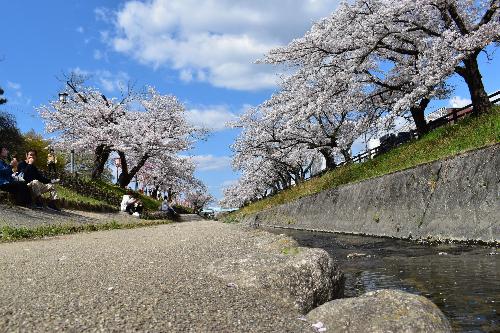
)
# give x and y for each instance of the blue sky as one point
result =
(200, 51)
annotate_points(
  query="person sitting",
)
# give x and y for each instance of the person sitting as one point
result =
(134, 206)
(36, 181)
(51, 161)
(165, 206)
(125, 199)
(9, 184)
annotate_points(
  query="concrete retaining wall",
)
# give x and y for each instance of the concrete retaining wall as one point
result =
(453, 199)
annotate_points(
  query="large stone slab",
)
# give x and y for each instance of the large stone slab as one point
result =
(381, 311)
(456, 198)
(306, 277)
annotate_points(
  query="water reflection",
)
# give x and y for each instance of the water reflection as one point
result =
(462, 280)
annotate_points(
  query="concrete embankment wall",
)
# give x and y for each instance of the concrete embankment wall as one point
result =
(453, 199)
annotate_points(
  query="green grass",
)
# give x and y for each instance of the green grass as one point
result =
(8, 233)
(290, 251)
(113, 192)
(149, 203)
(470, 133)
(71, 195)
(183, 209)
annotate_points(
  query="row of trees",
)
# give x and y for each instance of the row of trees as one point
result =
(147, 131)
(353, 74)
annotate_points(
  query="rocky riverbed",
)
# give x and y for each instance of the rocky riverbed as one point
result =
(462, 280)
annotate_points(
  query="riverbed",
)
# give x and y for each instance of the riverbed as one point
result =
(462, 280)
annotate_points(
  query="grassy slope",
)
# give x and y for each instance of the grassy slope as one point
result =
(468, 134)
(71, 195)
(149, 203)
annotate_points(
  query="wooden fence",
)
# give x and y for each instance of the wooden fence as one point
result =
(403, 137)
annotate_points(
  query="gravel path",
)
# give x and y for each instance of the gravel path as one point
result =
(16, 216)
(161, 278)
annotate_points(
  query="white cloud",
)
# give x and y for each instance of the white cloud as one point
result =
(13, 85)
(211, 163)
(213, 117)
(80, 71)
(112, 82)
(80, 30)
(104, 35)
(103, 14)
(217, 40)
(186, 75)
(15, 94)
(458, 102)
(108, 81)
(98, 55)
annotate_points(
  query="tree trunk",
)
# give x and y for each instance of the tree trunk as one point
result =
(330, 161)
(472, 76)
(346, 154)
(126, 176)
(418, 115)
(297, 178)
(100, 158)
(170, 194)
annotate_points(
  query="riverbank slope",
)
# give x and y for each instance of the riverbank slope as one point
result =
(457, 198)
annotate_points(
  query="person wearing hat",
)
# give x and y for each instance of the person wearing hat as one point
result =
(8, 183)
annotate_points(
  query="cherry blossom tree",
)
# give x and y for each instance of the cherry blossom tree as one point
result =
(313, 117)
(267, 164)
(90, 121)
(199, 198)
(160, 129)
(170, 174)
(358, 71)
(263, 138)
(87, 121)
(457, 31)
(399, 52)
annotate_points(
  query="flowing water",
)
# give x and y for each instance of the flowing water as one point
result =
(461, 279)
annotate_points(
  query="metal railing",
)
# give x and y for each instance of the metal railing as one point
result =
(403, 137)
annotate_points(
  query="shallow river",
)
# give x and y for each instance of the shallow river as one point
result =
(462, 280)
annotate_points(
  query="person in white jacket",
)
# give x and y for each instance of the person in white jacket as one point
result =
(123, 205)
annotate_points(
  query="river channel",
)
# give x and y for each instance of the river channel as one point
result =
(462, 280)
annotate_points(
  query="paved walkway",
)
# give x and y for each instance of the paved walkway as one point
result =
(168, 278)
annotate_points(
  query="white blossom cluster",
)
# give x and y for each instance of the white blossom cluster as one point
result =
(354, 73)
(170, 174)
(198, 198)
(147, 131)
